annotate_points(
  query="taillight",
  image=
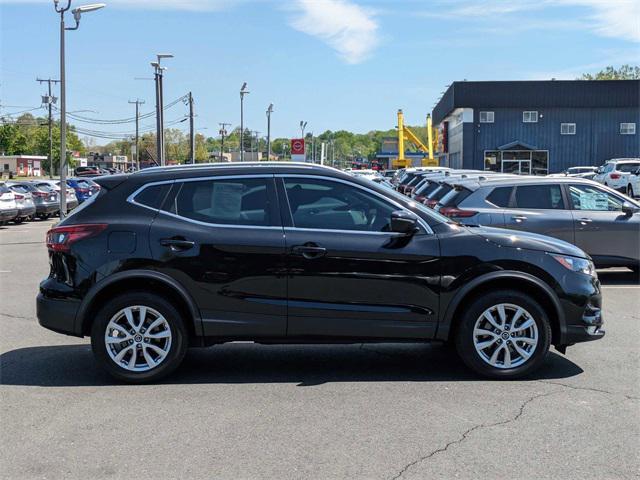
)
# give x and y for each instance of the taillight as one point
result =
(60, 239)
(419, 198)
(431, 203)
(457, 212)
(19, 197)
(40, 194)
(83, 190)
(615, 176)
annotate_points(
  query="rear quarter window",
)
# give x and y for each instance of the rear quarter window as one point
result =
(455, 197)
(152, 196)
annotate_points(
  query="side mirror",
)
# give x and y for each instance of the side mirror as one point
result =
(629, 209)
(403, 222)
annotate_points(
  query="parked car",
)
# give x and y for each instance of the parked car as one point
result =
(581, 172)
(72, 200)
(24, 202)
(597, 219)
(84, 188)
(410, 174)
(8, 207)
(633, 187)
(276, 252)
(615, 173)
(389, 174)
(45, 198)
(90, 171)
(366, 173)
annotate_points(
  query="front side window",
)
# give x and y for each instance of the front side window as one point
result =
(328, 205)
(587, 197)
(540, 197)
(627, 128)
(487, 117)
(530, 116)
(567, 129)
(224, 201)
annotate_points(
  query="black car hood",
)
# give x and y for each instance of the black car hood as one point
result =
(527, 240)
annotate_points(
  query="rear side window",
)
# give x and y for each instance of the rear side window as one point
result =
(428, 188)
(541, 197)
(500, 196)
(628, 167)
(226, 201)
(152, 196)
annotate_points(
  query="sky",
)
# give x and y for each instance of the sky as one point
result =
(337, 64)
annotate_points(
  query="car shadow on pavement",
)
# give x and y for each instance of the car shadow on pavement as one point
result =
(618, 277)
(305, 365)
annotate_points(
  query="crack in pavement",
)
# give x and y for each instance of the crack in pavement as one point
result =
(466, 434)
(589, 389)
(16, 316)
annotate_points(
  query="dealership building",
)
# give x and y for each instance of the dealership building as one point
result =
(537, 127)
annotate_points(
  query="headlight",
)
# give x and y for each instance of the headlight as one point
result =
(576, 264)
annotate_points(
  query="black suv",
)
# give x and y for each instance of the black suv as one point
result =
(174, 257)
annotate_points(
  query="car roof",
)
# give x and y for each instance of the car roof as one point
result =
(623, 160)
(475, 184)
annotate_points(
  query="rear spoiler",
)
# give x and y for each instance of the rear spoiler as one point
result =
(109, 182)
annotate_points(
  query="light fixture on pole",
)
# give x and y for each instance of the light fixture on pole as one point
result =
(77, 14)
(243, 92)
(303, 125)
(269, 112)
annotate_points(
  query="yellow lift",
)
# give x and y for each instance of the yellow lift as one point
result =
(404, 133)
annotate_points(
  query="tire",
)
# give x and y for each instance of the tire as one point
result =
(43, 216)
(18, 220)
(170, 337)
(630, 191)
(512, 302)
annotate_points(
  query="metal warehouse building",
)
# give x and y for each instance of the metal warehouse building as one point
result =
(538, 127)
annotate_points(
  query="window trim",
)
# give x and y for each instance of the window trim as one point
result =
(524, 112)
(487, 112)
(131, 199)
(568, 124)
(427, 229)
(627, 124)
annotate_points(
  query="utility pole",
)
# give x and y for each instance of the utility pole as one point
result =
(243, 92)
(49, 100)
(269, 112)
(137, 102)
(192, 137)
(160, 105)
(223, 132)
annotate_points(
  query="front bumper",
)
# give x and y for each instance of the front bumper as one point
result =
(58, 315)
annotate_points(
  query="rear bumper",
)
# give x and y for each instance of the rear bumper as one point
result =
(58, 315)
(26, 211)
(45, 208)
(8, 214)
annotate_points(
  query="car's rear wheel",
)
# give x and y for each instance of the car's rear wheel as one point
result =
(139, 337)
(630, 191)
(504, 334)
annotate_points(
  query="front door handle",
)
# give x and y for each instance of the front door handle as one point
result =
(309, 251)
(177, 244)
(584, 221)
(519, 218)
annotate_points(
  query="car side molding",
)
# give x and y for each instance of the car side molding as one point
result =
(139, 274)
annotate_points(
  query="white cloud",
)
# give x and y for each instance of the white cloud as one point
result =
(193, 5)
(348, 28)
(612, 18)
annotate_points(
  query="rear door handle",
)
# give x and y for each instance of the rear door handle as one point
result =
(584, 221)
(309, 251)
(177, 244)
(519, 218)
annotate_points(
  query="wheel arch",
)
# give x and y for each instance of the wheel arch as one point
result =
(139, 280)
(507, 280)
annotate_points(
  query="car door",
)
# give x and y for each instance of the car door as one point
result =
(601, 228)
(540, 209)
(222, 239)
(348, 275)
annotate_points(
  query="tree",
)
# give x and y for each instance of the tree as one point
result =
(625, 72)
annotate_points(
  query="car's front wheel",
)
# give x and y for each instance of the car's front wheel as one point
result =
(504, 334)
(139, 337)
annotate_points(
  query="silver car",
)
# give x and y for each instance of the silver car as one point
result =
(599, 220)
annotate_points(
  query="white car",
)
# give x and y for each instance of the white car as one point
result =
(370, 174)
(633, 186)
(8, 206)
(615, 173)
(578, 172)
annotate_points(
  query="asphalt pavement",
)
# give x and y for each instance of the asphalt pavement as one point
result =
(244, 411)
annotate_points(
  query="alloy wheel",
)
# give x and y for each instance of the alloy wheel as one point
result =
(138, 338)
(505, 336)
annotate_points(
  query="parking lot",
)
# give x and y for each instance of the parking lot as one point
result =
(250, 411)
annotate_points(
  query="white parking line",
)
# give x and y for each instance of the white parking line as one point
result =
(631, 287)
(5, 271)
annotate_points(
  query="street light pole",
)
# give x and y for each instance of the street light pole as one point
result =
(223, 132)
(77, 13)
(192, 138)
(50, 101)
(160, 105)
(269, 112)
(137, 103)
(243, 92)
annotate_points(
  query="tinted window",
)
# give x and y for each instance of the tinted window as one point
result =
(586, 197)
(151, 196)
(3, 188)
(454, 197)
(428, 188)
(327, 205)
(500, 196)
(46, 187)
(543, 197)
(441, 192)
(628, 167)
(232, 201)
